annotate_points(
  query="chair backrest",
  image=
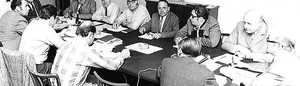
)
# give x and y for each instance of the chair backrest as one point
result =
(38, 77)
(13, 70)
(108, 83)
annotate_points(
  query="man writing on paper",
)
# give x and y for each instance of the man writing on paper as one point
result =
(133, 17)
(249, 38)
(163, 24)
(74, 60)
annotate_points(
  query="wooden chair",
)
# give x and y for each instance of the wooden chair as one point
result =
(38, 77)
(108, 83)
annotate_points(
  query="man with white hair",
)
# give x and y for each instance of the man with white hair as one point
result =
(249, 38)
(135, 16)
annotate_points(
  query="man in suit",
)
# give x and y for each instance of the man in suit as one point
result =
(164, 24)
(185, 68)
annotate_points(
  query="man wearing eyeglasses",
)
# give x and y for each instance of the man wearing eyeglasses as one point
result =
(164, 24)
(133, 17)
(201, 25)
(13, 23)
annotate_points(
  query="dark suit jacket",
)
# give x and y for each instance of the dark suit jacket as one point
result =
(170, 27)
(212, 32)
(183, 72)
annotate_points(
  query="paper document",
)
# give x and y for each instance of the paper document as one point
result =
(120, 28)
(143, 48)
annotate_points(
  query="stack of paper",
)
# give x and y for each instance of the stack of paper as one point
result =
(119, 29)
(143, 48)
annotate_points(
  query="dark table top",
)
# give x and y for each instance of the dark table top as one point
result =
(139, 61)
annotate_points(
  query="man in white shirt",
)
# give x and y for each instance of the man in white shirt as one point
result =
(39, 36)
(107, 11)
(133, 17)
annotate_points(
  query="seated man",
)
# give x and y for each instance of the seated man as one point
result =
(249, 38)
(39, 35)
(83, 9)
(133, 17)
(12, 24)
(163, 24)
(201, 25)
(186, 69)
(74, 60)
(107, 11)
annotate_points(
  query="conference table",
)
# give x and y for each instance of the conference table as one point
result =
(139, 61)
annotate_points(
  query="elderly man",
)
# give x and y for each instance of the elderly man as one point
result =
(249, 38)
(107, 11)
(83, 9)
(12, 24)
(201, 25)
(163, 24)
(74, 60)
(133, 17)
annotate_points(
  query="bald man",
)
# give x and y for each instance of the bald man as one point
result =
(164, 24)
(249, 38)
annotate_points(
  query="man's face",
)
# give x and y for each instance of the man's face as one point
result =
(163, 8)
(196, 21)
(252, 24)
(23, 9)
(105, 2)
(132, 5)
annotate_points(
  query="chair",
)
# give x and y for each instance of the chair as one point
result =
(13, 70)
(108, 83)
(37, 77)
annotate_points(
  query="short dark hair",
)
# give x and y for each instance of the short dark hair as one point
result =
(201, 11)
(47, 11)
(190, 46)
(84, 30)
(163, 1)
(15, 3)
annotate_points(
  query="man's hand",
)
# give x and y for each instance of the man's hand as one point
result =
(125, 53)
(142, 30)
(155, 35)
(242, 52)
(116, 25)
(177, 40)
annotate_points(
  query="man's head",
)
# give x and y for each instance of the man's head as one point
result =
(190, 47)
(20, 6)
(253, 21)
(163, 7)
(81, 1)
(49, 12)
(132, 4)
(86, 32)
(106, 3)
(199, 15)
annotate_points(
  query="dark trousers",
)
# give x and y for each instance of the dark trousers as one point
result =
(44, 68)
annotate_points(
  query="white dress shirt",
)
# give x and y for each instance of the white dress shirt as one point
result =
(135, 18)
(37, 38)
(112, 12)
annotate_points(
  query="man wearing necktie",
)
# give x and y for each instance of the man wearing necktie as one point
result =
(163, 24)
(107, 11)
(84, 9)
